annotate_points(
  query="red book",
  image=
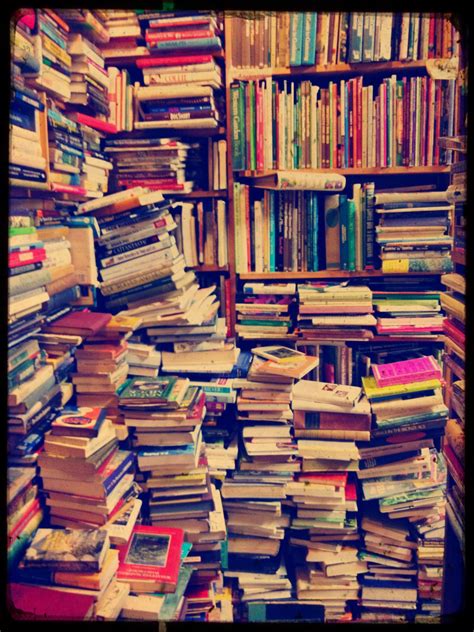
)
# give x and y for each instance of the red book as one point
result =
(453, 332)
(27, 602)
(68, 188)
(80, 323)
(181, 60)
(35, 255)
(431, 37)
(351, 491)
(196, 412)
(338, 479)
(163, 183)
(93, 122)
(17, 529)
(151, 558)
(162, 36)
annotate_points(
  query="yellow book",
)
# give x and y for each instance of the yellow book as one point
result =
(373, 391)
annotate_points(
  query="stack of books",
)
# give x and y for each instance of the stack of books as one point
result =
(24, 511)
(88, 22)
(405, 312)
(123, 41)
(412, 231)
(168, 165)
(143, 360)
(24, 57)
(322, 38)
(334, 311)
(84, 476)
(219, 360)
(27, 163)
(265, 310)
(55, 67)
(69, 574)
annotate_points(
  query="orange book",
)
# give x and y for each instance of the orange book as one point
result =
(296, 369)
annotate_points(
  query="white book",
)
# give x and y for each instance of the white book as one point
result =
(204, 123)
(152, 93)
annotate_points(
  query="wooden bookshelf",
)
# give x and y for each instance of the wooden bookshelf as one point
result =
(327, 274)
(328, 70)
(210, 268)
(197, 195)
(353, 171)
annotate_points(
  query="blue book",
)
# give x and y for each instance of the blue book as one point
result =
(63, 298)
(309, 38)
(125, 461)
(208, 43)
(296, 38)
(23, 119)
(50, 32)
(26, 99)
(172, 451)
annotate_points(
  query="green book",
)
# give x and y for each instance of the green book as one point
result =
(266, 323)
(21, 230)
(351, 235)
(159, 389)
(343, 207)
(238, 157)
(252, 126)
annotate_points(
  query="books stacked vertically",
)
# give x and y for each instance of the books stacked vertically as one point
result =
(168, 165)
(85, 478)
(412, 231)
(55, 63)
(403, 312)
(69, 574)
(24, 511)
(27, 164)
(261, 140)
(305, 39)
(334, 311)
(265, 313)
(89, 79)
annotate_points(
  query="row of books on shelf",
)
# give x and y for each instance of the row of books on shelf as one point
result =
(322, 38)
(279, 231)
(291, 124)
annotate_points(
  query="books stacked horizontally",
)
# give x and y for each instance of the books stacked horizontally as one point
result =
(253, 495)
(27, 164)
(24, 56)
(166, 416)
(24, 511)
(412, 231)
(55, 63)
(334, 311)
(405, 312)
(216, 359)
(88, 22)
(89, 79)
(264, 310)
(123, 35)
(168, 165)
(401, 468)
(143, 360)
(69, 574)
(328, 418)
(84, 476)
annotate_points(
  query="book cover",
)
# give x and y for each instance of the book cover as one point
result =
(79, 422)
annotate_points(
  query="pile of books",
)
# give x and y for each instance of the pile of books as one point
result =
(27, 164)
(87, 22)
(69, 574)
(143, 360)
(168, 165)
(309, 38)
(265, 310)
(124, 42)
(24, 57)
(334, 311)
(412, 231)
(403, 475)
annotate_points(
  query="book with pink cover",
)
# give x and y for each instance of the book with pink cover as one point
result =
(406, 371)
(335, 308)
(82, 323)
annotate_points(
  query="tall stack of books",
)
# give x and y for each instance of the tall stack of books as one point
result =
(412, 231)
(69, 574)
(328, 419)
(55, 65)
(168, 165)
(24, 57)
(125, 40)
(89, 23)
(265, 310)
(27, 164)
(334, 311)
(308, 38)
(404, 475)
(143, 360)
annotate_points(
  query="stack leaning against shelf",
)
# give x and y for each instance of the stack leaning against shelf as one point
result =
(265, 310)
(181, 76)
(125, 40)
(69, 574)
(334, 311)
(255, 495)
(412, 231)
(453, 301)
(168, 165)
(328, 419)
(403, 479)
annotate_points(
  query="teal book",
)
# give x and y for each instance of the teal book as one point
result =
(351, 235)
(343, 228)
(309, 38)
(207, 43)
(238, 156)
(271, 204)
(296, 38)
(363, 220)
(411, 37)
(368, 37)
(355, 38)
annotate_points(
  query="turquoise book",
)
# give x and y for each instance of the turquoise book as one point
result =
(368, 37)
(355, 38)
(351, 235)
(343, 231)
(309, 38)
(296, 38)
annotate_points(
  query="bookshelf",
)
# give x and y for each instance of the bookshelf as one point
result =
(327, 274)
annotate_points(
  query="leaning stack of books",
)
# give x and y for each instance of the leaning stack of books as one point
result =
(334, 311)
(69, 574)
(180, 75)
(27, 164)
(412, 231)
(168, 165)
(24, 511)
(89, 23)
(265, 310)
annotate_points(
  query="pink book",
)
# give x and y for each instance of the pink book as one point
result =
(406, 371)
(408, 328)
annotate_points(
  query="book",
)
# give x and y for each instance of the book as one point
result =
(79, 422)
(406, 371)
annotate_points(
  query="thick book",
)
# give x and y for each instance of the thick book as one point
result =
(407, 371)
(79, 422)
(301, 180)
(81, 323)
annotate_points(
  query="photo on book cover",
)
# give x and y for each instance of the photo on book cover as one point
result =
(148, 549)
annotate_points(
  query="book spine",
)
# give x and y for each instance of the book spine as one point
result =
(351, 235)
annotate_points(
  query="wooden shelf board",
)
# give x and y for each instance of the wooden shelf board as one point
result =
(210, 268)
(372, 171)
(166, 131)
(341, 69)
(326, 274)
(199, 194)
